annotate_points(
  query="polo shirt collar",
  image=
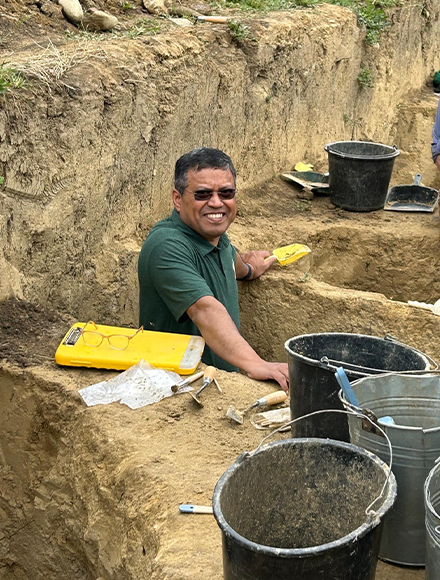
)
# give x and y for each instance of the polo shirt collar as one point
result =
(203, 245)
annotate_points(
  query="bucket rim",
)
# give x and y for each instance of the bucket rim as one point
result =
(428, 504)
(332, 368)
(354, 535)
(394, 151)
(349, 407)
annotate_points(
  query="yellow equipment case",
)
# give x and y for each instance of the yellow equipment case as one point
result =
(180, 353)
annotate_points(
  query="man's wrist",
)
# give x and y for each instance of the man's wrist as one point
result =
(249, 273)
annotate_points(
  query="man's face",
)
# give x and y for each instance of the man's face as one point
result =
(209, 218)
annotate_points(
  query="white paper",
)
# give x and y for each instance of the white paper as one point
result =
(138, 386)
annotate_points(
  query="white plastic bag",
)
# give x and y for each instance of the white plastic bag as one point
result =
(138, 386)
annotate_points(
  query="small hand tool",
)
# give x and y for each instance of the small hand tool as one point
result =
(344, 383)
(271, 399)
(208, 377)
(288, 254)
(186, 508)
(187, 381)
(218, 19)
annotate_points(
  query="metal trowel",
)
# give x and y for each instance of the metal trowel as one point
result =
(271, 399)
(208, 377)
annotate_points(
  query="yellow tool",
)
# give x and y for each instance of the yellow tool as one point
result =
(288, 254)
(208, 377)
(268, 400)
(300, 166)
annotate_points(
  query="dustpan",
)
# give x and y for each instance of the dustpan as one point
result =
(288, 254)
(413, 197)
(311, 180)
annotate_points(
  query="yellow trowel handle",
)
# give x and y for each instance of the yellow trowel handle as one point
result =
(273, 398)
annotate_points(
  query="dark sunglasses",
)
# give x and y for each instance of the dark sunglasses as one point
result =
(205, 194)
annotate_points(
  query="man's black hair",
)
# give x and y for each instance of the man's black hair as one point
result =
(198, 159)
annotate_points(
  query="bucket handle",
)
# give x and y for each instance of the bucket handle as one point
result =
(368, 511)
(431, 360)
(331, 364)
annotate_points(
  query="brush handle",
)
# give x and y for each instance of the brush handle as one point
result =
(187, 381)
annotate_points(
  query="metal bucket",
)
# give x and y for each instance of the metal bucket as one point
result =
(432, 520)
(414, 404)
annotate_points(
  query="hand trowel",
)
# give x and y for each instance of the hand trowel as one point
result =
(208, 377)
(288, 254)
(271, 399)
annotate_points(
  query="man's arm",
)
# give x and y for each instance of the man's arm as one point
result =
(252, 265)
(222, 336)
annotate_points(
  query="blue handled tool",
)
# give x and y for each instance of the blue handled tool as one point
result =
(186, 508)
(344, 383)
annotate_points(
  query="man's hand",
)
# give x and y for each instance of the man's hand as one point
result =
(279, 372)
(437, 162)
(258, 262)
(222, 336)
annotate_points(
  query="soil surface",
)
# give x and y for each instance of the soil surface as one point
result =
(93, 492)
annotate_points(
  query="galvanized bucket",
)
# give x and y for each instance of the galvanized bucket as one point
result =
(414, 404)
(432, 519)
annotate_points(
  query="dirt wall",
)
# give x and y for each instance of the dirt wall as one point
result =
(88, 164)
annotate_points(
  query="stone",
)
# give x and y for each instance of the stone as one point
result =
(72, 10)
(96, 20)
(155, 6)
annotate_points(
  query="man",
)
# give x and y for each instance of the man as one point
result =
(435, 145)
(188, 267)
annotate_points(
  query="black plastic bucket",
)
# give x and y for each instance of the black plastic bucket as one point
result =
(313, 360)
(360, 174)
(297, 509)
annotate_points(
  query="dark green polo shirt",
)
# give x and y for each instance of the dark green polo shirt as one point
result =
(177, 267)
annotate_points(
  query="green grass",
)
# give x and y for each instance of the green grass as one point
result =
(127, 6)
(370, 13)
(365, 78)
(141, 28)
(353, 124)
(306, 277)
(11, 79)
(238, 30)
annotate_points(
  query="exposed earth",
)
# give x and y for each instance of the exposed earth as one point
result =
(87, 152)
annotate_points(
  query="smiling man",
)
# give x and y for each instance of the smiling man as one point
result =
(188, 267)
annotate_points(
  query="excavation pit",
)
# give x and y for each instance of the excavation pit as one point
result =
(94, 492)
